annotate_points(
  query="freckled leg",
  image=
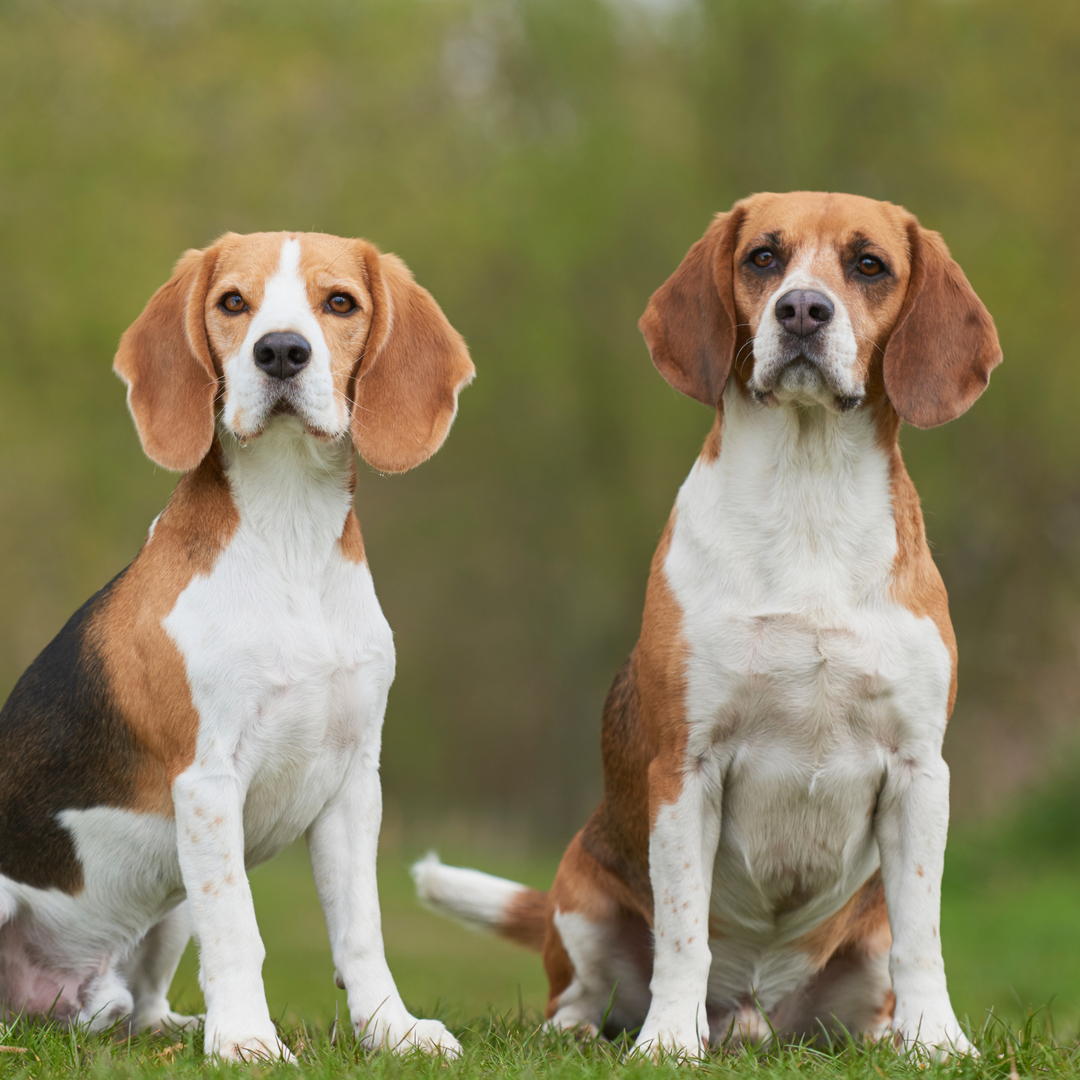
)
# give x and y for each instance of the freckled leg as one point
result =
(210, 842)
(682, 847)
(151, 968)
(343, 844)
(911, 826)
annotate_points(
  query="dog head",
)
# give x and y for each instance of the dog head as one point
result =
(327, 330)
(802, 294)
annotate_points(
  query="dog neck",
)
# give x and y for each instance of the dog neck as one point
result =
(291, 489)
(795, 498)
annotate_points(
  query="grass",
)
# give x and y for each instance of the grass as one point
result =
(515, 1046)
(1009, 925)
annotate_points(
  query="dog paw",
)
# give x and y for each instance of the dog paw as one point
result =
(158, 1017)
(405, 1033)
(939, 1033)
(670, 1036)
(247, 1046)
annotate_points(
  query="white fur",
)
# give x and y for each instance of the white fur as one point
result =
(810, 692)
(290, 660)
(476, 899)
(835, 370)
(250, 393)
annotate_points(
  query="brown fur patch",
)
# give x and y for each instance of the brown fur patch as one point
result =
(524, 921)
(710, 451)
(916, 581)
(860, 927)
(661, 676)
(351, 541)
(144, 667)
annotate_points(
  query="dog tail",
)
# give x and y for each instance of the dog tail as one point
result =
(483, 902)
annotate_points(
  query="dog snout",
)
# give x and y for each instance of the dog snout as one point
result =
(803, 312)
(282, 356)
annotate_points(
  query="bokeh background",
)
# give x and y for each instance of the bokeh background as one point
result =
(542, 165)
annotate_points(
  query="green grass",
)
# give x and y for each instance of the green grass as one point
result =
(515, 1046)
(1009, 926)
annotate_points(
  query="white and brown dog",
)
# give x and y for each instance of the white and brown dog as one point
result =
(775, 799)
(225, 693)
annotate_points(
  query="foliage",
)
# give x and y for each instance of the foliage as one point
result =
(542, 165)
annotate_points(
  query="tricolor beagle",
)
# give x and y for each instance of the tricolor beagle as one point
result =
(226, 691)
(775, 799)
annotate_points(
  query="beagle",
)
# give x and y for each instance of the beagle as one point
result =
(768, 854)
(225, 693)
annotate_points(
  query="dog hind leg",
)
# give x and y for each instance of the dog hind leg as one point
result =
(150, 970)
(597, 951)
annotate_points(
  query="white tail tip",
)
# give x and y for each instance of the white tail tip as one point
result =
(477, 899)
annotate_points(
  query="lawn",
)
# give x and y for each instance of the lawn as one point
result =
(1009, 925)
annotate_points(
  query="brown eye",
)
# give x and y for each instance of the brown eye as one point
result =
(870, 266)
(233, 303)
(341, 303)
(763, 258)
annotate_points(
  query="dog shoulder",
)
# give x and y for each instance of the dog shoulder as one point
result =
(103, 716)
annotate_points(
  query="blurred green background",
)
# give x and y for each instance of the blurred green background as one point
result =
(542, 165)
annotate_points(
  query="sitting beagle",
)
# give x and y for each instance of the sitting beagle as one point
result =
(225, 693)
(768, 853)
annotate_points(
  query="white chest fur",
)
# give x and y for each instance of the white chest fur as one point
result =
(805, 680)
(288, 655)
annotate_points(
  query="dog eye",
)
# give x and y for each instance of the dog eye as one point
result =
(763, 258)
(233, 303)
(870, 266)
(341, 303)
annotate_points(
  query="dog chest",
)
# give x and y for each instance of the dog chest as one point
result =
(287, 673)
(805, 683)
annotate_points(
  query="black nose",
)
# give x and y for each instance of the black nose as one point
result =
(803, 311)
(281, 356)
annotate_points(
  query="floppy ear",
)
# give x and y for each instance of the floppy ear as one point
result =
(689, 323)
(164, 359)
(944, 345)
(414, 364)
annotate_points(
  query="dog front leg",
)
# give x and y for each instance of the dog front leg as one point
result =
(911, 826)
(210, 841)
(343, 844)
(682, 848)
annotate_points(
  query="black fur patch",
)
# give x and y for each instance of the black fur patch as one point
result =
(63, 746)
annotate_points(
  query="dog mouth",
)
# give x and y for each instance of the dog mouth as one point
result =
(806, 379)
(283, 408)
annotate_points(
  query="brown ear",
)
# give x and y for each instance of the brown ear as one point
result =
(944, 345)
(690, 324)
(414, 364)
(164, 359)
